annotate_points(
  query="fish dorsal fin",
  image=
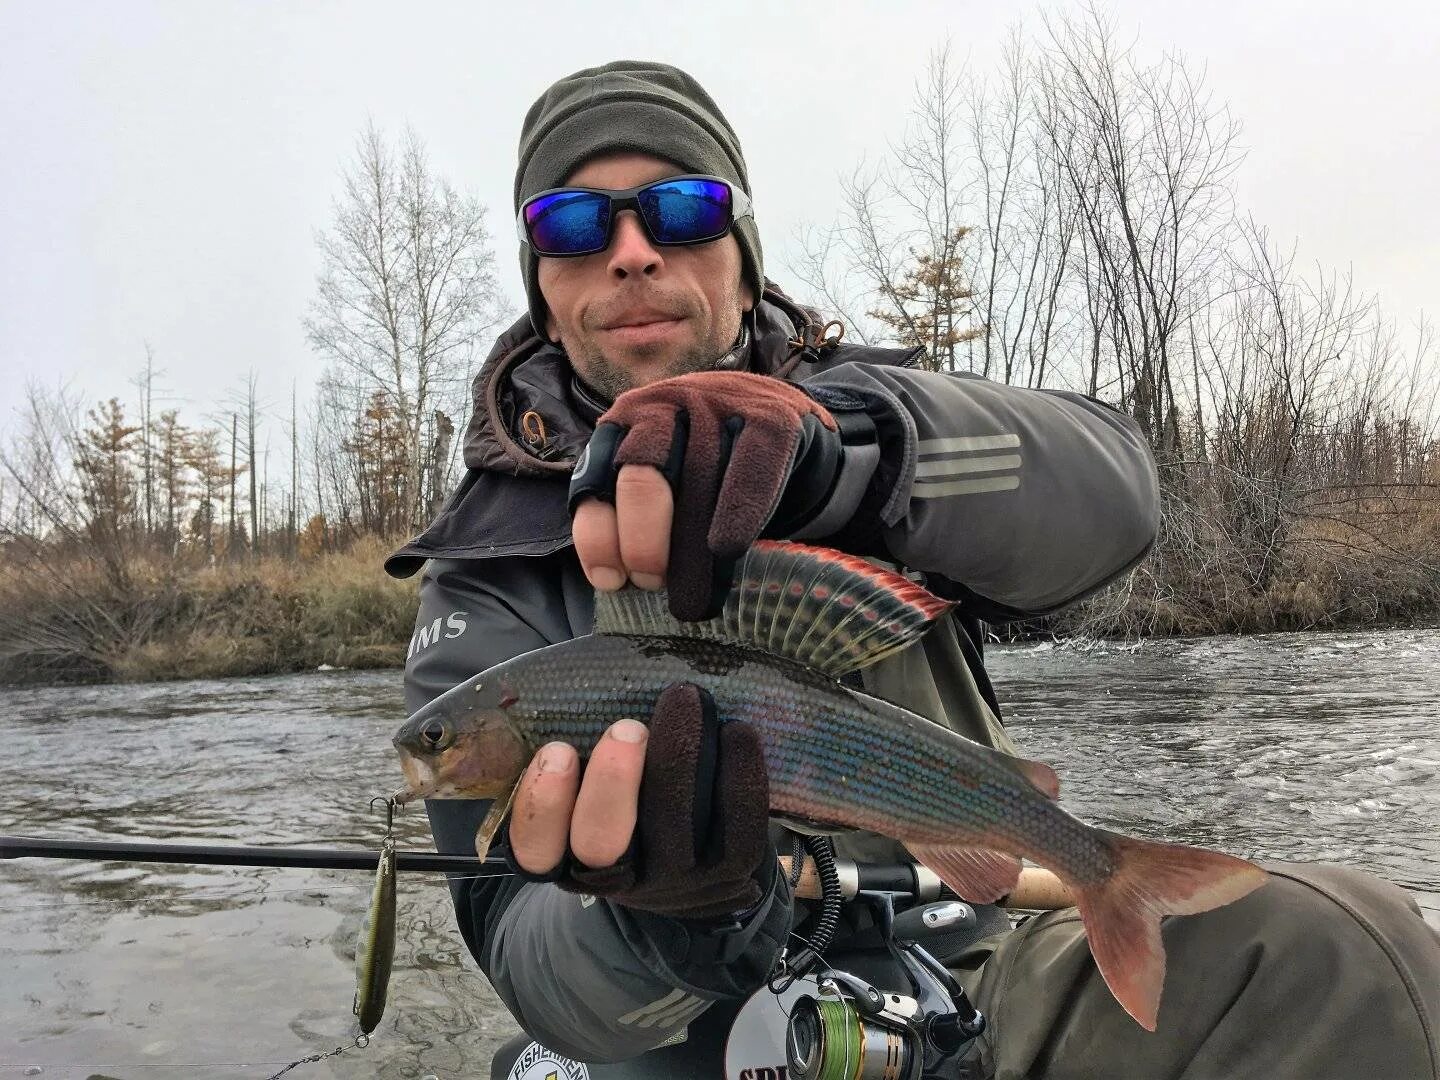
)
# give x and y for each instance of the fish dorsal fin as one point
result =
(829, 611)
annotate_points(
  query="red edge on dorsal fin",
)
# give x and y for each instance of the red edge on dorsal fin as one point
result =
(832, 611)
(910, 592)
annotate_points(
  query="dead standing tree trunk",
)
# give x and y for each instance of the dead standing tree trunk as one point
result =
(444, 435)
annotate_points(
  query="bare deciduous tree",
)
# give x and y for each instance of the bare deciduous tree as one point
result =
(902, 234)
(407, 290)
(1092, 194)
(1147, 161)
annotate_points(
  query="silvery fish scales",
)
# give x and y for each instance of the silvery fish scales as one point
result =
(834, 755)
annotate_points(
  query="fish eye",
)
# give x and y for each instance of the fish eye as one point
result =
(433, 734)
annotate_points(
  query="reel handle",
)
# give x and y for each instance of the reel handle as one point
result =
(940, 917)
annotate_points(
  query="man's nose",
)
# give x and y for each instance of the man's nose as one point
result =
(631, 252)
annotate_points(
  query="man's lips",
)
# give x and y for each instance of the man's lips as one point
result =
(646, 319)
(643, 334)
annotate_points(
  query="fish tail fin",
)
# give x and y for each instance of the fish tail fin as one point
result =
(1122, 914)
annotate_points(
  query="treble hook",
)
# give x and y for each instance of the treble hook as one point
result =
(391, 805)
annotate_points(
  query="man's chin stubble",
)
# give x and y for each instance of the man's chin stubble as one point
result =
(611, 378)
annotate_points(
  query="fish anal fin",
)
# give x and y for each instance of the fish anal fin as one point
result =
(1122, 914)
(485, 835)
(980, 875)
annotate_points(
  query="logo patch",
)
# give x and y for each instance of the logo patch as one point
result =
(538, 1063)
(444, 627)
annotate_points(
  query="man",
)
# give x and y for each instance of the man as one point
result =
(705, 410)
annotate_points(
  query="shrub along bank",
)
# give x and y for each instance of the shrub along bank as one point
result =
(80, 621)
(75, 618)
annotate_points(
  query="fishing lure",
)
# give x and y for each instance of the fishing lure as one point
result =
(375, 946)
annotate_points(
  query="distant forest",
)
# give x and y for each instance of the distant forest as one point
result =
(1068, 219)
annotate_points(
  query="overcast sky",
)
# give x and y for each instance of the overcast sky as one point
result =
(163, 166)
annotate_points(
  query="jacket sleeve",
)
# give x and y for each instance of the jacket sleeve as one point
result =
(589, 979)
(1027, 499)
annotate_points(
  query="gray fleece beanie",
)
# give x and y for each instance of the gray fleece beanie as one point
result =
(636, 106)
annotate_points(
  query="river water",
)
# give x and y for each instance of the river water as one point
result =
(1314, 746)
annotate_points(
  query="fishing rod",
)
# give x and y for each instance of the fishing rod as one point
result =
(1037, 889)
(931, 1023)
(307, 858)
(375, 949)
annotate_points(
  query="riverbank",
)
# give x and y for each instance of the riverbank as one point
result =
(1376, 571)
(80, 622)
(77, 620)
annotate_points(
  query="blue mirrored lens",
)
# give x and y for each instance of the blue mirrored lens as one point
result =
(683, 211)
(568, 222)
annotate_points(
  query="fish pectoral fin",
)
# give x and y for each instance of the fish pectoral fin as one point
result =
(979, 875)
(1041, 776)
(485, 835)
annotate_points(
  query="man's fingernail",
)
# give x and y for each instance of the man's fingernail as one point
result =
(553, 758)
(606, 578)
(647, 581)
(631, 731)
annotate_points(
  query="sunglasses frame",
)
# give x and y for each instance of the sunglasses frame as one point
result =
(629, 199)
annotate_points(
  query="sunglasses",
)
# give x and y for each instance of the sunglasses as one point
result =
(680, 210)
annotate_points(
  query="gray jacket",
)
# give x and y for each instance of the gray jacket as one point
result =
(1014, 502)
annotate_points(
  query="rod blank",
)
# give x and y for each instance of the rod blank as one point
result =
(1036, 889)
(27, 847)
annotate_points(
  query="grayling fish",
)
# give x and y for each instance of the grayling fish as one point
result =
(797, 620)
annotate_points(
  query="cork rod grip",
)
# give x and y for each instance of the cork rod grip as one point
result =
(1037, 889)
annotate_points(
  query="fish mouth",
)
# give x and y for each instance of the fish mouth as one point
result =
(420, 780)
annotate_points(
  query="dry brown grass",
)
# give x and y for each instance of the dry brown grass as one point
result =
(69, 619)
(1371, 562)
(74, 622)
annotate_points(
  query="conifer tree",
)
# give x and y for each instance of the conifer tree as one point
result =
(932, 306)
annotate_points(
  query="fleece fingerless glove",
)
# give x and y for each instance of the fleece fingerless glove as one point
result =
(745, 455)
(701, 843)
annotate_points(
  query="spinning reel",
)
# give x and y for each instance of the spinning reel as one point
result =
(851, 1030)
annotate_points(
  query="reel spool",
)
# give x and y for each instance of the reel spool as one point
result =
(828, 1039)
